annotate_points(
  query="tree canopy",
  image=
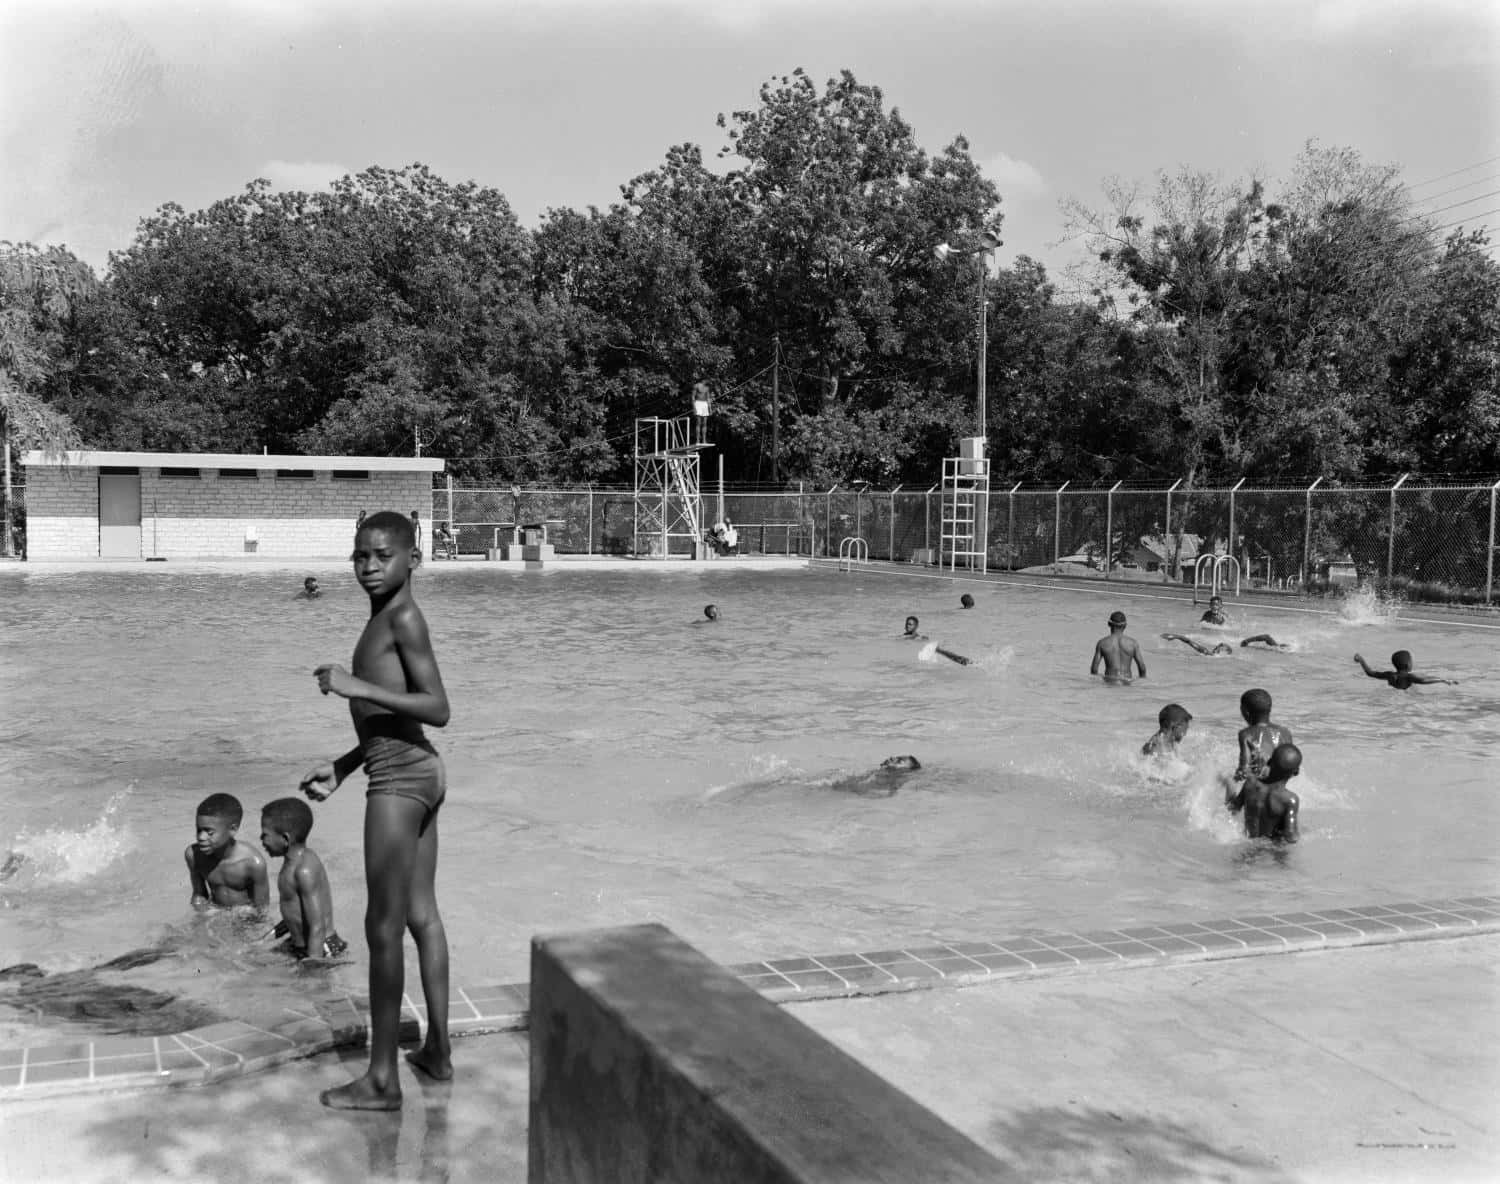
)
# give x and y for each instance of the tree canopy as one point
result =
(1239, 328)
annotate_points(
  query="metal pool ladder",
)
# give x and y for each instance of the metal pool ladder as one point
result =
(1217, 568)
(851, 551)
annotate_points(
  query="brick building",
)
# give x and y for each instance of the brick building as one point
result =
(163, 505)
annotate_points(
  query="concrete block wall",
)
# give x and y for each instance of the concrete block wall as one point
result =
(208, 517)
(62, 513)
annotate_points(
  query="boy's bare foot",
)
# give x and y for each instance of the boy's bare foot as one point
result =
(435, 1065)
(362, 1095)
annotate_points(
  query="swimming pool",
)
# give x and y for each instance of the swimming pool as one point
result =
(613, 761)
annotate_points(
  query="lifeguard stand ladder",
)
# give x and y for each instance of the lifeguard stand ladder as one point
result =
(966, 505)
(668, 498)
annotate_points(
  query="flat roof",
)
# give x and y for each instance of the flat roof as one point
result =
(232, 460)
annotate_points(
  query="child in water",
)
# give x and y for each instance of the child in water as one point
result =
(1259, 738)
(1173, 721)
(224, 870)
(306, 899)
(1119, 652)
(1402, 677)
(394, 688)
(310, 589)
(1271, 808)
(1223, 647)
(1215, 614)
(912, 626)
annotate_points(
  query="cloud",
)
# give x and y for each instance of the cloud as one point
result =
(305, 176)
(1016, 179)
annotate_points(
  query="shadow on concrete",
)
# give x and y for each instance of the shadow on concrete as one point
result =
(1107, 1146)
(270, 1128)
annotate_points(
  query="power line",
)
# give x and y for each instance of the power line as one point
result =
(1467, 201)
(1467, 221)
(1456, 172)
(1486, 180)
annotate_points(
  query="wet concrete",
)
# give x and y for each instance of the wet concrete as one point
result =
(1377, 1063)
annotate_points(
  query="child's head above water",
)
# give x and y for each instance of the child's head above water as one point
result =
(284, 822)
(911, 625)
(310, 584)
(218, 818)
(966, 601)
(1285, 763)
(1401, 660)
(1174, 720)
(711, 611)
(1255, 706)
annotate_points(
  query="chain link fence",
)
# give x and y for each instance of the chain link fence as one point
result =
(1428, 542)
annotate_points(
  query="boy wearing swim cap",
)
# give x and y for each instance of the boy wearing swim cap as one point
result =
(1118, 652)
(1173, 720)
(1270, 807)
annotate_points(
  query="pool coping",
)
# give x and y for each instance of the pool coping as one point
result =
(234, 1048)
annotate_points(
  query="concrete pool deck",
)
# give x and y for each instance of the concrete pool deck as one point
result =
(1373, 1055)
(1378, 1063)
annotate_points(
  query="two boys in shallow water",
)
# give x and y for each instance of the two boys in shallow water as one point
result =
(227, 872)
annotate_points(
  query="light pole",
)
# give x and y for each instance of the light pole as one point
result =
(980, 254)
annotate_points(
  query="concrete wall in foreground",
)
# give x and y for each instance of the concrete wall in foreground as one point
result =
(214, 517)
(650, 1064)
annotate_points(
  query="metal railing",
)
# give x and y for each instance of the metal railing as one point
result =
(1429, 542)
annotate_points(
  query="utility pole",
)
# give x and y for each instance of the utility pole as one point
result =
(776, 409)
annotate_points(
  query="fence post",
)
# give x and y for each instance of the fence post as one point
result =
(1168, 551)
(1390, 544)
(451, 525)
(927, 519)
(1057, 527)
(1109, 527)
(1229, 550)
(1489, 562)
(894, 492)
(1010, 528)
(590, 544)
(1307, 538)
(828, 515)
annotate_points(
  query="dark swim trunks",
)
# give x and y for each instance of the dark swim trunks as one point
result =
(407, 766)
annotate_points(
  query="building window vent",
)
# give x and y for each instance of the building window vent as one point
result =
(294, 474)
(238, 474)
(181, 474)
(351, 474)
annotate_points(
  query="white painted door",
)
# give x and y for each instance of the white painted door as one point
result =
(119, 515)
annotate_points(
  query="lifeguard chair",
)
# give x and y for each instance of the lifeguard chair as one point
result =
(668, 487)
(966, 507)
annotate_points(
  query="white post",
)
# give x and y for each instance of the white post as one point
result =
(589, 545)
(1489, 564)
(1109, 527)
(1010, 528)
(894, 492)
(1166, 538)
(1232, 492)
(1390, 547)
(1307, 538)
(1057, 527)
(452, 526)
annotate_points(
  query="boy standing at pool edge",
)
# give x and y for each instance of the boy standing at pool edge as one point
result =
(395, 687)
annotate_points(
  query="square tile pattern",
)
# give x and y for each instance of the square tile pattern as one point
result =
(235, 1047)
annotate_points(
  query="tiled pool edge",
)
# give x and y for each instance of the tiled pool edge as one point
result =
(207, 1055)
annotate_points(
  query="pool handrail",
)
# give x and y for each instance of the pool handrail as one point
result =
(853, 549)
(1215, 564)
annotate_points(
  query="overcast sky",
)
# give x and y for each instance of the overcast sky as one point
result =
(109, 110)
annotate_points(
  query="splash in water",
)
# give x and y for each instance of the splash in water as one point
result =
(60, 856)
(1366, 606)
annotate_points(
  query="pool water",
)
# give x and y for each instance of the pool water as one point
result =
(615, 759)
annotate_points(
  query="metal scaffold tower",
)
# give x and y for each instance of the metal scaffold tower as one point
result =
(966, 503)
(668, 498)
